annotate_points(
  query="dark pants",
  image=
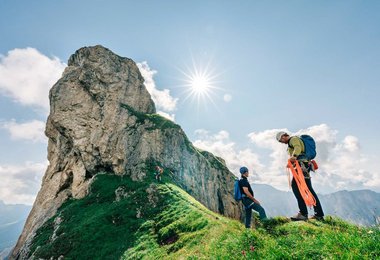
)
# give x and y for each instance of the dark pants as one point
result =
(248, 211)
(301, 203)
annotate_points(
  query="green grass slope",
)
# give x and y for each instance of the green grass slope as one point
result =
(123, 219)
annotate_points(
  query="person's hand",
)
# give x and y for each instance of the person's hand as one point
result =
(257, 202)
(293, 159)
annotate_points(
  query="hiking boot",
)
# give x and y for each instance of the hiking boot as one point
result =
(299, 217)
(320, 218)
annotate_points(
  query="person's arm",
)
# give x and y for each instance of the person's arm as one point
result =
(249, 195)
(296, 144)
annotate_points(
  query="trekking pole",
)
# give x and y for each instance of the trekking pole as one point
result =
(288, 173)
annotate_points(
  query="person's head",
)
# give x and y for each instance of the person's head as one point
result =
(244, 171)
(282, 137)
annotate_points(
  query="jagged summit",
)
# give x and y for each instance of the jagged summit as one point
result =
(102, 74)
(102, 119)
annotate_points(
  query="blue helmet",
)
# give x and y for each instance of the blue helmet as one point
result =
(243, 170)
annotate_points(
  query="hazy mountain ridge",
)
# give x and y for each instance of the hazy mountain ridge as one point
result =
(360, 206)
(12, 220)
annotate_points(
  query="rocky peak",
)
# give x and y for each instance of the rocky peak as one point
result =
(102, 118)
(106, 76)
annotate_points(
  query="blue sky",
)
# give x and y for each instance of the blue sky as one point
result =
(306, 67)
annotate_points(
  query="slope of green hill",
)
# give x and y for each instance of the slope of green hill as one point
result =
(123, 219)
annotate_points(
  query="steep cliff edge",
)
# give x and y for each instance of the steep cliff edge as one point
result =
(102, 119)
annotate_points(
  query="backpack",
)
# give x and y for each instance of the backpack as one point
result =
(237, 193)
(310, 148)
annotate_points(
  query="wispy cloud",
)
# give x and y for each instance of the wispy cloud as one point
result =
(162, 98)
(221, 145)
(32, 130)
(342, 164)
(26, 76)
(20, 184)
(227, 98)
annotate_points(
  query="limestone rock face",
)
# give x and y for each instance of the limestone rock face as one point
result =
(102, 118)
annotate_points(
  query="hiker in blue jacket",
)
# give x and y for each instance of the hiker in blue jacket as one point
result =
(248, 198)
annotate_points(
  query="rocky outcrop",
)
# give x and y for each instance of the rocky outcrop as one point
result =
(103, 119)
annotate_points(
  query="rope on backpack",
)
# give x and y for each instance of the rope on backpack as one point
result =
(301, 184)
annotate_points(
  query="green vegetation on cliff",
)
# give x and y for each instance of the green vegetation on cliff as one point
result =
(124, 219)
(158, 121)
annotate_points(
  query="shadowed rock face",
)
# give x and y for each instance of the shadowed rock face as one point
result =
(102, 119)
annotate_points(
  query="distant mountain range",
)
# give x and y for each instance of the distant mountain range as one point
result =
(360, 207)
(12, 220)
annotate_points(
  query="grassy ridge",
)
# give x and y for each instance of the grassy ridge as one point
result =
(161, 221)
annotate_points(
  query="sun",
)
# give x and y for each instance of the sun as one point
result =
(200, 84)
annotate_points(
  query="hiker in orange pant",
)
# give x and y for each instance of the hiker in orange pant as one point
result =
(300, 149)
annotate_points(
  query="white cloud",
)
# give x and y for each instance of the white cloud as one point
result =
(275, 171)
(161, 98)
(351, 143)
(33, 130)
(26, 76)
(20, 184)
(227, 98)
(221, 145)
(342, 164)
